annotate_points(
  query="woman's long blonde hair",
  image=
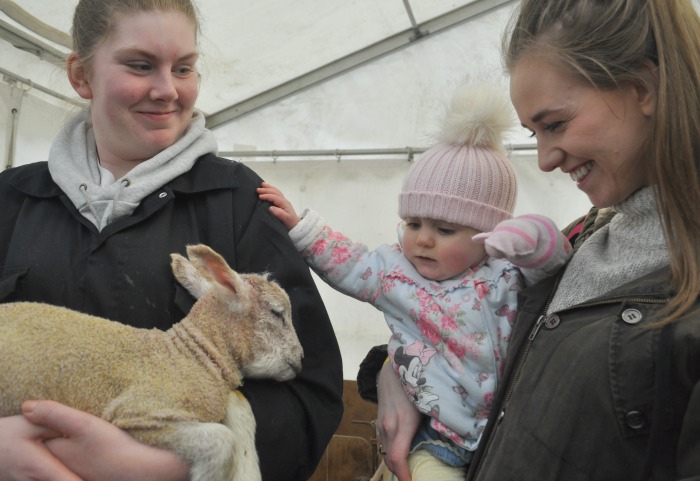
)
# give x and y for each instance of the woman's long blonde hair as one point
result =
(607, 43)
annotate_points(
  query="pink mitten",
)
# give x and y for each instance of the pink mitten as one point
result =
(528, 241)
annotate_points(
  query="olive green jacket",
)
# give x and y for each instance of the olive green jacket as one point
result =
(590, 393)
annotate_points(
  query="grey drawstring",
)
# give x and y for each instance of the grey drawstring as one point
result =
(125, 183)
(88, 200)
(106, 218)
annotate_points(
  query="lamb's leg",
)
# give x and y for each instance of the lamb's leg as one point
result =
(217, 451)
(223, 452)
(240, 420)
(210, 448)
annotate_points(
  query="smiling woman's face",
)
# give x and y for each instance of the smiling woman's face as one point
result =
(595, 136)
(142, 83)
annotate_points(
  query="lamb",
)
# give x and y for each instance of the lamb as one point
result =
(174, 389)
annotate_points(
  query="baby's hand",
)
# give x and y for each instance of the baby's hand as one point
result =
(281, 207)
(527, 241)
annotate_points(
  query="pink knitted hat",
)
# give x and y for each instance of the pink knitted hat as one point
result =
(466, 178)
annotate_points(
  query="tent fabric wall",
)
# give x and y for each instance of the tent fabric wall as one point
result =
(394, 101)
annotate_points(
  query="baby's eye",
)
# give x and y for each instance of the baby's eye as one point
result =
(412, 225)
(445, 231)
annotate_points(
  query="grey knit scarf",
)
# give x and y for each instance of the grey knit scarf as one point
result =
(631, 245)
(74, 166)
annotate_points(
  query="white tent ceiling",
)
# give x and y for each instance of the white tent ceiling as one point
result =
(254, 53)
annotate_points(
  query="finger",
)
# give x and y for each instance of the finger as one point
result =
(402, 472)
(481, 237)
(398, 464)
(277, 199)
(268, 197)
(279, 212)
(271, 188)
(45, 433)
(267, 194)
(44, 465)
(397, 457)
(40, 433)
(398, 454)
(277, 202)
(55, 416)
(27, 455)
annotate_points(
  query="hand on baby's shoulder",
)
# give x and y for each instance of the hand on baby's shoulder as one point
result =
(526, 241)
(281, 207)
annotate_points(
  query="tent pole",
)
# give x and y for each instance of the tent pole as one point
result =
(16, 95)
(337, 154)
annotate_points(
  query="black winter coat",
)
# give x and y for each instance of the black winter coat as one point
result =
(50, 253)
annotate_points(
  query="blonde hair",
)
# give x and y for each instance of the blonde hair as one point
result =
(608, 43)
(93, 20)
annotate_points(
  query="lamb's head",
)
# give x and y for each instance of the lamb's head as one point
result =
(275, 337)
(250, 312)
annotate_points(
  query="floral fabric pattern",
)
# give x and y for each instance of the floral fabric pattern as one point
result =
(449, 338)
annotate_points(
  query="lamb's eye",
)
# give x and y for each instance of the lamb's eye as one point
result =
(278, 313)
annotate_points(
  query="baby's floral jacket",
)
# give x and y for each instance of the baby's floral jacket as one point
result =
(448, 339)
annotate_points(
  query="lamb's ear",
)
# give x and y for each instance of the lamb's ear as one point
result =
(188, 275)
(211, 266)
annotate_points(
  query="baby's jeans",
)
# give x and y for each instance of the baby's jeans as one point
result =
(435, 458)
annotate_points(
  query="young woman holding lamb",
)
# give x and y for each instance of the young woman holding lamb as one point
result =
(128, 182)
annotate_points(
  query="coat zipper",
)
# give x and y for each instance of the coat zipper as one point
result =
(531, 339)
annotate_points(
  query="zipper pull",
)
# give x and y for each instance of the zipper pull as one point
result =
(536, 329)
(501, 415)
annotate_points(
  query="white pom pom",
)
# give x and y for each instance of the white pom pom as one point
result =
(479, 115)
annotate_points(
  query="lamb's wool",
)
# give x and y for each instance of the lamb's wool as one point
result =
(170, 389)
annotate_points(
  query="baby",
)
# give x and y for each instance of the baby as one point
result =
(448, 288)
